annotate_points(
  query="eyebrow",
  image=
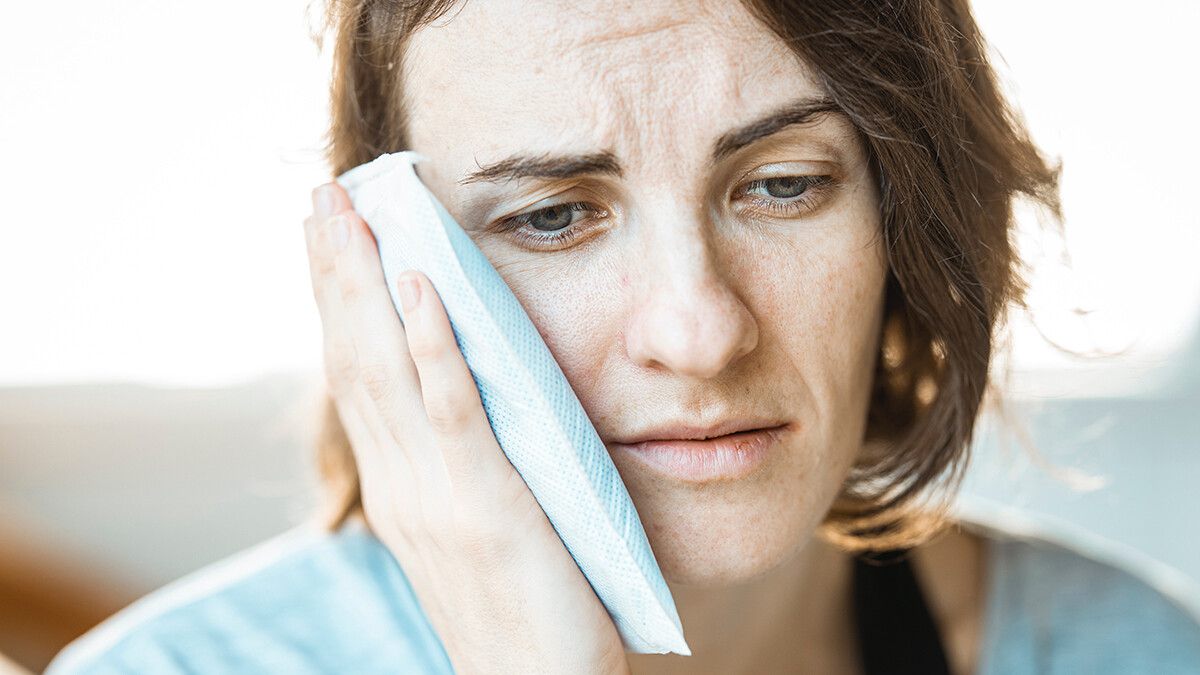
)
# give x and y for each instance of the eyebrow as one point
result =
(800, 111)
(547, 166)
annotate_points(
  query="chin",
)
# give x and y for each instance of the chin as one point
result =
(724, 536)
(691, 564)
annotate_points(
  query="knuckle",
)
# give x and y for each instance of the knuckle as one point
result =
(422, 348)
(321, 265)
(325, 266)
(323, 275)
(378, 379)
(341, 363)
(352, 288)
(445, 414)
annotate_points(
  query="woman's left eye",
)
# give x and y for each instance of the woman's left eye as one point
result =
(550, 226)
(788, 195)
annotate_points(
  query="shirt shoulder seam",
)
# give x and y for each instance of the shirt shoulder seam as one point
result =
(193, 586)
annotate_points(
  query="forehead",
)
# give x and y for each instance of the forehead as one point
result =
(643, 79)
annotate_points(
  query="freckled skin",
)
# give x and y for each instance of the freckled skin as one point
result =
(677, 305)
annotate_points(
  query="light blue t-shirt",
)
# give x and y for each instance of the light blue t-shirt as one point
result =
(310, 601)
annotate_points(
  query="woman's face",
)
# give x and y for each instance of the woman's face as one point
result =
(694, 279)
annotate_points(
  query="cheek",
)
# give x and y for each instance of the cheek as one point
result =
(572, 309)
(847, 307)
(827, 306)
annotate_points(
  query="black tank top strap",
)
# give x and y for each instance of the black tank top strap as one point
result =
(896, 632)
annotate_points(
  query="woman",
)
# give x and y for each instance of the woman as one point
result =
(787, 220)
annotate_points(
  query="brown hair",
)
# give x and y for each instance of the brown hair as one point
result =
(950, 157)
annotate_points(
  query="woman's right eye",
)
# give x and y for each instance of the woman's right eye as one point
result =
(558, 220)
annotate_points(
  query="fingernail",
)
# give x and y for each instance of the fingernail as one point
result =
(339, 233)
(410, 292)
(322, 198)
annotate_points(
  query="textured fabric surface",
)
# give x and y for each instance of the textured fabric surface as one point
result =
(303, 603)
(317, 602)
(1055, 612)
(535, 415)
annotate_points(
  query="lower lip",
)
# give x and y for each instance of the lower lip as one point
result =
(724, 458)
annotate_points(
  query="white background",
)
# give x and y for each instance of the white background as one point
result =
(157, 159)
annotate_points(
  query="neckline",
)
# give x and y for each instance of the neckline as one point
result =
(991, 578)
(895, 628)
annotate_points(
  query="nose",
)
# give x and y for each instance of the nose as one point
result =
(687, 317)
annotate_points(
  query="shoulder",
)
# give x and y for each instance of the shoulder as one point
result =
(1061, 601)
(305, 601)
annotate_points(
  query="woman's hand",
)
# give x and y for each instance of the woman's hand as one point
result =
(496, 582)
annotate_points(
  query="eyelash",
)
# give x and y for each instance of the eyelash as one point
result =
(815, 190)
(563, 236)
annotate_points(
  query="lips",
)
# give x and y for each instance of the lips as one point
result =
(672, 431)
(724, 458)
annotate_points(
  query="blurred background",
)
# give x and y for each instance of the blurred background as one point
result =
(160, 350)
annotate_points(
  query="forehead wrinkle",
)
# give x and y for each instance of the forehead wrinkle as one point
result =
(629, 21)
(658, 110)
(680, 68)
(643, 32)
